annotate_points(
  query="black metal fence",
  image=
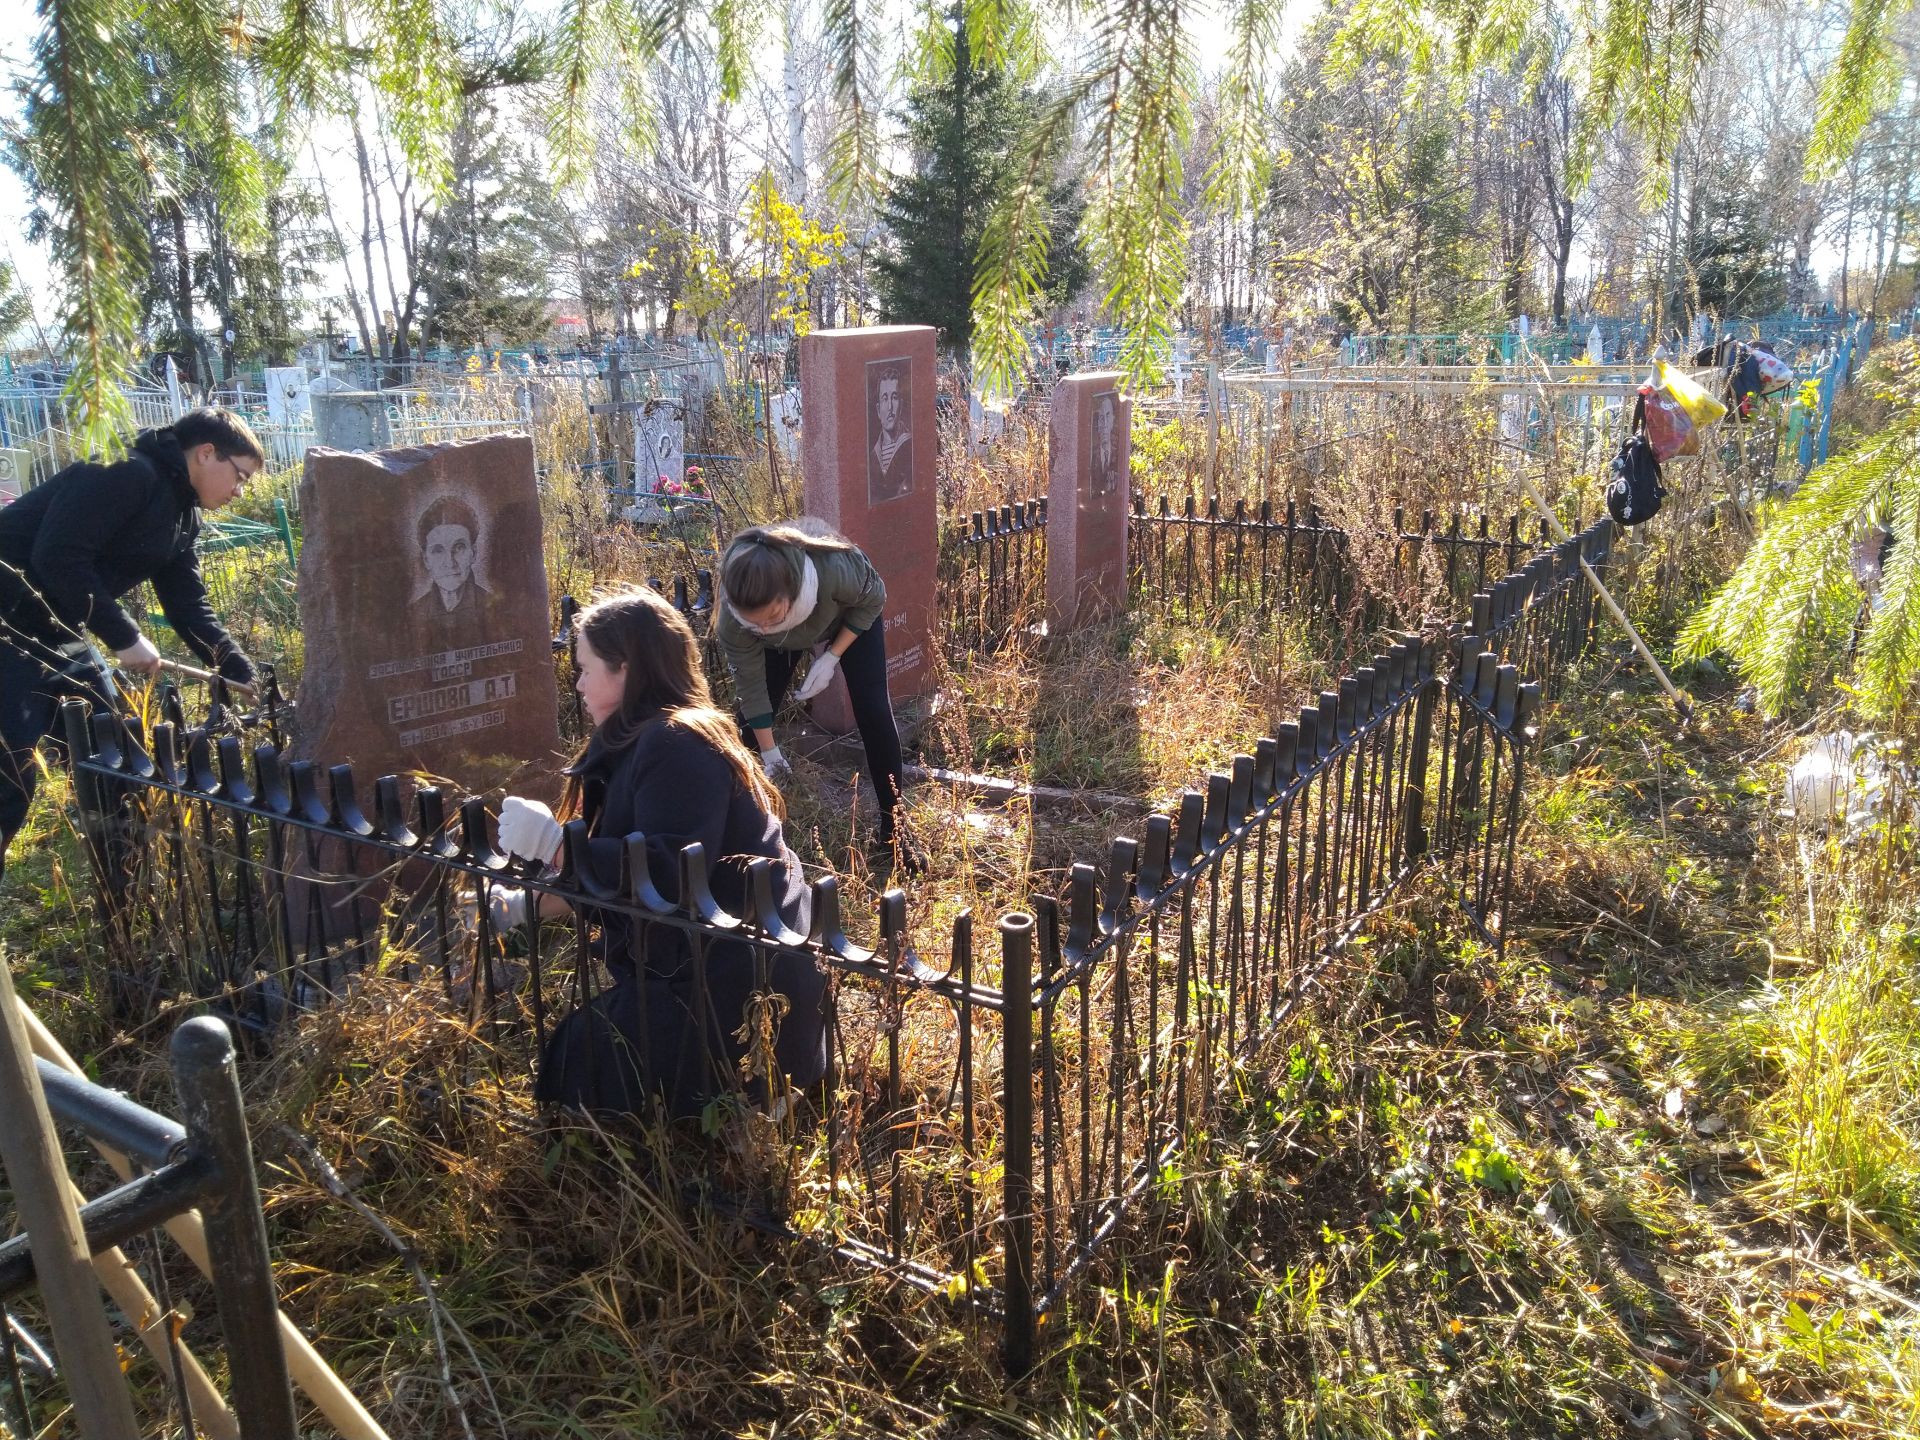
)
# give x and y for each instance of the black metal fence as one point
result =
(1200, 562)
(692, 595)
(993, 575)
(1469, 551)
(1486, 726)
(986, 1123)
(267, 886)
(1184, 957)
(1208, 563)
(1195, 561)
(1541, 616)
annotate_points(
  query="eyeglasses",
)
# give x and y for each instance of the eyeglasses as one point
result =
(244, 475)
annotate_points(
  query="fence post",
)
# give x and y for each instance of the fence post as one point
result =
(211, 1108)
(1413, 825)
(63, 1266)
(284, 525)
(1016, 988)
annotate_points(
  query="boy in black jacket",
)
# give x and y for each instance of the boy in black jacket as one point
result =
(69, 549)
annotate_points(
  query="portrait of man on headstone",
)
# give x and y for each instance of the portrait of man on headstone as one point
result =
(889, 440)
(1103, 468)
(449, 536)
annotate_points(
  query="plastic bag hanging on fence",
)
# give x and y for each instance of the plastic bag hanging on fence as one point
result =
(1669, 429)
(1701, 407)
(1775, 373)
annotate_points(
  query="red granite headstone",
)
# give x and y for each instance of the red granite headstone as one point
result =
(1088, 493)
(423, 602)
(869, 449)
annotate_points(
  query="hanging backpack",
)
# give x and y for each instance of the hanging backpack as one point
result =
(1635, 492)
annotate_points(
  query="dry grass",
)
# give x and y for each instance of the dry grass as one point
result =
(1573, 1193)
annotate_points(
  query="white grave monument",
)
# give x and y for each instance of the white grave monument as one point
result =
(289, 401)
(659, 460)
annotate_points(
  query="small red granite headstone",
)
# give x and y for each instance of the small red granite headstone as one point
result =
(1088, 493)
(423, 602)
(869, 452)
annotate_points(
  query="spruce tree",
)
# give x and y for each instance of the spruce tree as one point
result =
(962, 130)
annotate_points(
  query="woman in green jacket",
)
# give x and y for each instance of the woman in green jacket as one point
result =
(785, 590)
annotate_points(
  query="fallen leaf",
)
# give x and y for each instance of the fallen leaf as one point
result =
(1742, 1386)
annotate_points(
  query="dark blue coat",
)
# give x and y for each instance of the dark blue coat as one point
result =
(668, 1021)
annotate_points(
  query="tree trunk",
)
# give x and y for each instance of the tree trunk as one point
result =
(1562, 257)
(379, 348)
(182, 296)
(346, 263)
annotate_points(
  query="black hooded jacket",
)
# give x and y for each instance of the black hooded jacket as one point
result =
(69, 549)
(669, 1025)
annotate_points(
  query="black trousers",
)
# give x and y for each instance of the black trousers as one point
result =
(34, 678)
(865, 668)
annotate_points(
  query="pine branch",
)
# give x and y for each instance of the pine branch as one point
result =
(1011, 267)
(854, 177)
(1786, 611)
(1864, 77)
(302, 56)
(1003, 35)
(594, 36)
(204, 96)
(736, 25)
(417, 73)
(569, 128)
(1243, 157)
(78, 111)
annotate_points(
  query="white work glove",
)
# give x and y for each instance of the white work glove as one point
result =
(819, 675)
(528, 829)
(506, 909)
(140, 656)
(774, 763)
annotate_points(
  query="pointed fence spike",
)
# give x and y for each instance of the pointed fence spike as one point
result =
(476, 836)
(390, 812)
(1123, 859)
(696, 891)
(1186, 839)
(233, 771)
(1156, 859)
(269, 776)
(1083, 906)
(825, 929)
(303, 777)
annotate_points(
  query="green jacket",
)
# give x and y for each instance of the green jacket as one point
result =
(851, 596)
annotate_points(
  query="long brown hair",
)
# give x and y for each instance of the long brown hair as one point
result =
(756, 573)
(640, 630)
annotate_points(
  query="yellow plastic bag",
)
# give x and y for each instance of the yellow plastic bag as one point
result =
(1701, 407)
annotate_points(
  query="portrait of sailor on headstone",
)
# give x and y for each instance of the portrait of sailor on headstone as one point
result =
(889, 436)
(1103, 476)
(450, 591)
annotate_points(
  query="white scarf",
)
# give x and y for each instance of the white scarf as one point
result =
(801, 607)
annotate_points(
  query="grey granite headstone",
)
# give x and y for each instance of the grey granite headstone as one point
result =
(349, 419)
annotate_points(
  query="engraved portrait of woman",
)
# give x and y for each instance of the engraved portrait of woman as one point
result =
(448, 535)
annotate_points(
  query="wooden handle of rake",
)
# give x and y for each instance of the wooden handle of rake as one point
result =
(312, 1374)
(194, 672)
